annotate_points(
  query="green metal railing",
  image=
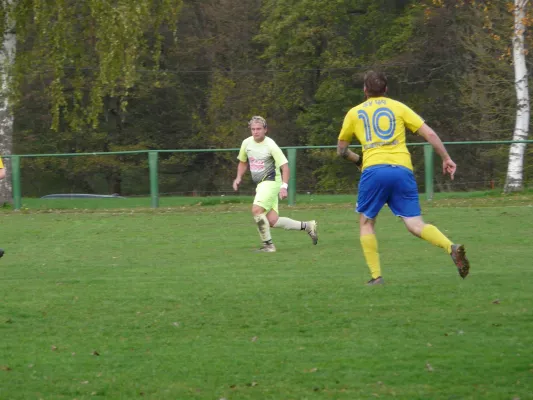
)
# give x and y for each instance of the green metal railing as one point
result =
(153, 163)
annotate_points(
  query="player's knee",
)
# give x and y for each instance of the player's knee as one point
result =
(415, 226)
(414, 231)
(257, 210)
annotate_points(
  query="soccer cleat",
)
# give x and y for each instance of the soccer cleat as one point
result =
(376, 281)
(459, 258)
(1, 253)
(312, 231)
(267, 248)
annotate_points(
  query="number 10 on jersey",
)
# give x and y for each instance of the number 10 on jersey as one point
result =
(372, 124)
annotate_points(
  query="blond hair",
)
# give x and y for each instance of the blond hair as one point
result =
(257, 119)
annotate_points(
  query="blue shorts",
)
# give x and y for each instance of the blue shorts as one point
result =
(388, 184)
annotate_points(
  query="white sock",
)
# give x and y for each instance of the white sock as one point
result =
(263, 227)
(288, 224)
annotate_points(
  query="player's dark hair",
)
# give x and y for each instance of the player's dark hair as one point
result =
(375, 84)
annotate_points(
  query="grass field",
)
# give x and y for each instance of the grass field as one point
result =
(118, 303)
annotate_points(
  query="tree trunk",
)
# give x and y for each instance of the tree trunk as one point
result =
(7, 54)
(515, 169)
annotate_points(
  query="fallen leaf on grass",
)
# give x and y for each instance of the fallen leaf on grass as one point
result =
(429, 367)
(5, 368)
(497, 301)
(254, 339)
(311, 370)
(54, 348)
(95, 353)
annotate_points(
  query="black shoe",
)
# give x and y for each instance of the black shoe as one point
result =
(459, 258)
(1, 252)
(376, 281)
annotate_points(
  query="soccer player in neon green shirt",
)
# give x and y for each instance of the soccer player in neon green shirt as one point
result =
(265, 159)
(387, 172)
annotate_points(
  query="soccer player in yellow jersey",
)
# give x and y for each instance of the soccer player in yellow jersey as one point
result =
(387, 172)
(266, 159)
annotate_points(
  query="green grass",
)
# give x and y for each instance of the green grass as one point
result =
(305, 199)
(173, 304)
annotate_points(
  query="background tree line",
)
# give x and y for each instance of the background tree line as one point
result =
(176, 74)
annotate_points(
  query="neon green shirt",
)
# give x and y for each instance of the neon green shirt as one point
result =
(264, 158)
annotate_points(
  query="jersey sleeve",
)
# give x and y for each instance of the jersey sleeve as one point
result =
(412, 120)
(277, 155)
(243, 157)
(348, 128)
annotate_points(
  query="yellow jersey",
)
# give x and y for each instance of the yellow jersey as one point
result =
(379, 125)
(1, 164)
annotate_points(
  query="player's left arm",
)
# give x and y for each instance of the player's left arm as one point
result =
(281, 163)
(285, 174)
(448, 166)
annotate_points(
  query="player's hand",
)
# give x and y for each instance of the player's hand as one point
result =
(236, 184)
(283, 193)
(449, 167)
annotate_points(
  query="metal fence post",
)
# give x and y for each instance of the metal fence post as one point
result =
(428, 170)
(291, 153)
(15, 181)
(154, 184)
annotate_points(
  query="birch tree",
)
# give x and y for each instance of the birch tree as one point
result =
(7, 53)
(515, 170)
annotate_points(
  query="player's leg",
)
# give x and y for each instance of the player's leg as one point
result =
(259, 214)
(372, 195)
(290, 224)
(263, 201)
(428, 232)
(369, 244)
(433, 235)
(404, 202)
(266, 199)
(311, 227)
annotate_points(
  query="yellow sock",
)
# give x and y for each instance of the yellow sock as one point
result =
(369, 243)
(431, 234)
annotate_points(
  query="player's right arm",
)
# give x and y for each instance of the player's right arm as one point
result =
(242, 167)
(448, 166)
(344, 140)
